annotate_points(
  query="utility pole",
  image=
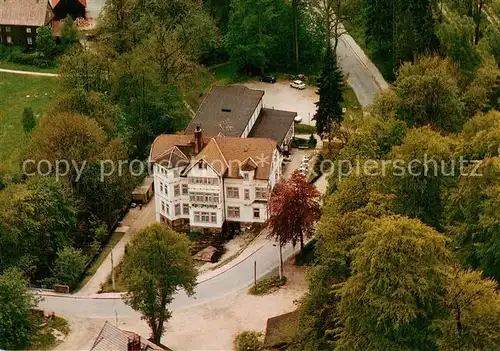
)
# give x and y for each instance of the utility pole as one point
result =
(254, 273)
(281, 261)
(112, 271)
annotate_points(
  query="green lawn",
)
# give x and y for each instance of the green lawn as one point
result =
(119, 283)
(43, 338)
(19, 67)
(17, 92)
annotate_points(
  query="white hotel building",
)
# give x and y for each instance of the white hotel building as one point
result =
(206, 181)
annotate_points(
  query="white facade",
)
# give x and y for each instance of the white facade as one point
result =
(252, 120)
(208, 200)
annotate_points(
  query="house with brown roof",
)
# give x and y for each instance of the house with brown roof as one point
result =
(206, 182)
(19, 20)
(225, 165)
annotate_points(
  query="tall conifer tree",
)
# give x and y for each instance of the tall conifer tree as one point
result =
(331, 87)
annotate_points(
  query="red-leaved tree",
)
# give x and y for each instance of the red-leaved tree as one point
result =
(293, 211)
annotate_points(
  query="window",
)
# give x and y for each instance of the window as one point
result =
(202, 180)
(177, 209)
(261, 193)
(167, 210)
(233, 193)
(185, 209)
(163, 206)
(247, 194)
(7, 29)
(245, 175)
(204, 197)
(9, 40)
(184, 189)
(28, 30)
(256, 213)
(202, 165)
(165, 189)
(177, 190)
(29, 40)
(205, 217)
(233, 212)
(161, 187)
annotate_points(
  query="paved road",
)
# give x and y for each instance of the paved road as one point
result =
(363, 76)
(238, 277)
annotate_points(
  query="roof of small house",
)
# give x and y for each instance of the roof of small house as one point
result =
(34, 13)
(113, 338)
(226, 110)
(273, 124)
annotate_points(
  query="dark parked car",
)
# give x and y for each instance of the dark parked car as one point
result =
(268, 79)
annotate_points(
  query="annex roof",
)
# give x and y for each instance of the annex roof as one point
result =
(273, 124)
(226, 110)
(34, 13)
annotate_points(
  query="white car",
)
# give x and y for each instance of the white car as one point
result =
(298, 84)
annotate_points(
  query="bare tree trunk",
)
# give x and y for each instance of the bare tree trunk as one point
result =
(281, 261)
(296, 34)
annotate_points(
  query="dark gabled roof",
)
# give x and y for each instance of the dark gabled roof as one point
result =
(34, 13)
(273, 124)
(226, 111)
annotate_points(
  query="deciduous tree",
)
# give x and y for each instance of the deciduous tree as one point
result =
(472, 213)
(36, 220)
(456, 35)
(16, 300)
(293, 211)
(473, 9)
(393, 295)
(158, 263)
(473, 321)
(46, 42)
(420, 167)
(428, 93)
(69, 266)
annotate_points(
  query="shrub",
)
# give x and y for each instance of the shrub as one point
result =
(264, 286)
(69, 266)
(248, 340)
(33, 59)
(28, 120)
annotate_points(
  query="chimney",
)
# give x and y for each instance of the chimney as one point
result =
(198, 140)
(134, 343)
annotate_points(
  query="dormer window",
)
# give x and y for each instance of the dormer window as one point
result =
(245, 175)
